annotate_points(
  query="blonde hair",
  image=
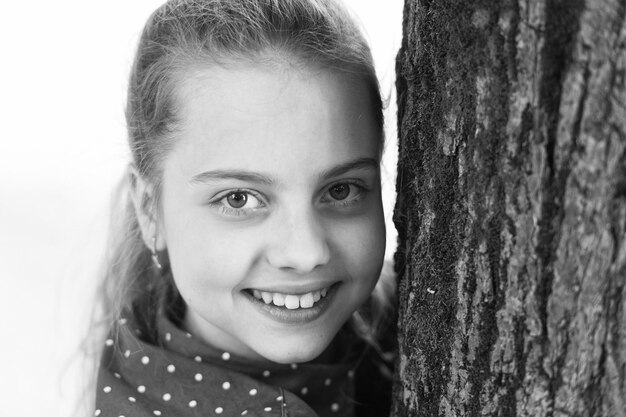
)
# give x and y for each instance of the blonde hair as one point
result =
(181, 33)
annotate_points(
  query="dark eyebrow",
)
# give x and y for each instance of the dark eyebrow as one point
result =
(209, 176)
(361, 163)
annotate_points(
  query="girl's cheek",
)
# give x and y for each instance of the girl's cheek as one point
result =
(363, 241)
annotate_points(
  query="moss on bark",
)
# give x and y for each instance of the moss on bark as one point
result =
(512, 208)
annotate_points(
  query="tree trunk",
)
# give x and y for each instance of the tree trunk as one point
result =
(511, 208)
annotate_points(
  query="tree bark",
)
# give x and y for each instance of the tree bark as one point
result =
(511, 208)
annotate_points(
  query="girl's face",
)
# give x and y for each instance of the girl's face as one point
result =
(271, 208)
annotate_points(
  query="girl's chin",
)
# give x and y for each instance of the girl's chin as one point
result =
(285, 355)
(302, 351)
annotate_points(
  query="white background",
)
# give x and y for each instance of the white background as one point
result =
(62, 148)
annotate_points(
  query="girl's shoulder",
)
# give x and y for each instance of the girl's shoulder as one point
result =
(374, 376)
(374, 326)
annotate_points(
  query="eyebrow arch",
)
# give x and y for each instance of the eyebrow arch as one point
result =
(361, 163)
(209, 176)
(240, 175)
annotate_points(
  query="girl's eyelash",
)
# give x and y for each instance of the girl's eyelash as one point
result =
(219, 204)
(231, 211)
(361, 190)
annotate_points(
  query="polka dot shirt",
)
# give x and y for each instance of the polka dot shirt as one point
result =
(181, 376)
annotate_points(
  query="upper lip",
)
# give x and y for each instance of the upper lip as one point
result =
(295, 289)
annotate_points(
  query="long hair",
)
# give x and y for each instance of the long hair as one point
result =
(183, 33)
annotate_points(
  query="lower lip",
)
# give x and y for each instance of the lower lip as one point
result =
(298, 315)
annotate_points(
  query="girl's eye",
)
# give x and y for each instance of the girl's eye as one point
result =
(339, 191)
(238, 203)
(237, 199)
(344, 194)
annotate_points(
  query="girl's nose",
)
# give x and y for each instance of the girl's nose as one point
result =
(298, 243)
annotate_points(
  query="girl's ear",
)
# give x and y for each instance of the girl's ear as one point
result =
(143, 196)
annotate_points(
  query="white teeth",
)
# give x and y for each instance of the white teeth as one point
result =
(292, 302)
(267, 297)
(306, 301)
(279, 299)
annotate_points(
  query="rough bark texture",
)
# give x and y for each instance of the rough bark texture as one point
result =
(512, 208)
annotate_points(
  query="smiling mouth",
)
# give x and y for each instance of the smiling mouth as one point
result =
(290, 301)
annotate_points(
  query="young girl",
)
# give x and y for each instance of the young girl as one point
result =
(254, 227)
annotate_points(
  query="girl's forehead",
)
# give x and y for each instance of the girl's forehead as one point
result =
(259, 117)
(247, 83)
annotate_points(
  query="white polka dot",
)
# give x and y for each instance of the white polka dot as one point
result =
(132, 399)
(156, 412)
(106, 389)
(108, 342)
(334, 407)
(198, 359)
(253, 392)
(219, 410)
(97, 412)
(141, 389)
(171, 368)
(188, 335)
(226, 385)
(193, 403)
(244, 412)
(168, 337)
(350, 374)
(123, 321)
(167, 396)
(118, 376)
(304, 390)
(327, 382)
(226, 356)
(198, 377)
(294, 366)
(266, 373)
(268, 409)
(145, 360)
(127, 353)
(279, 398)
